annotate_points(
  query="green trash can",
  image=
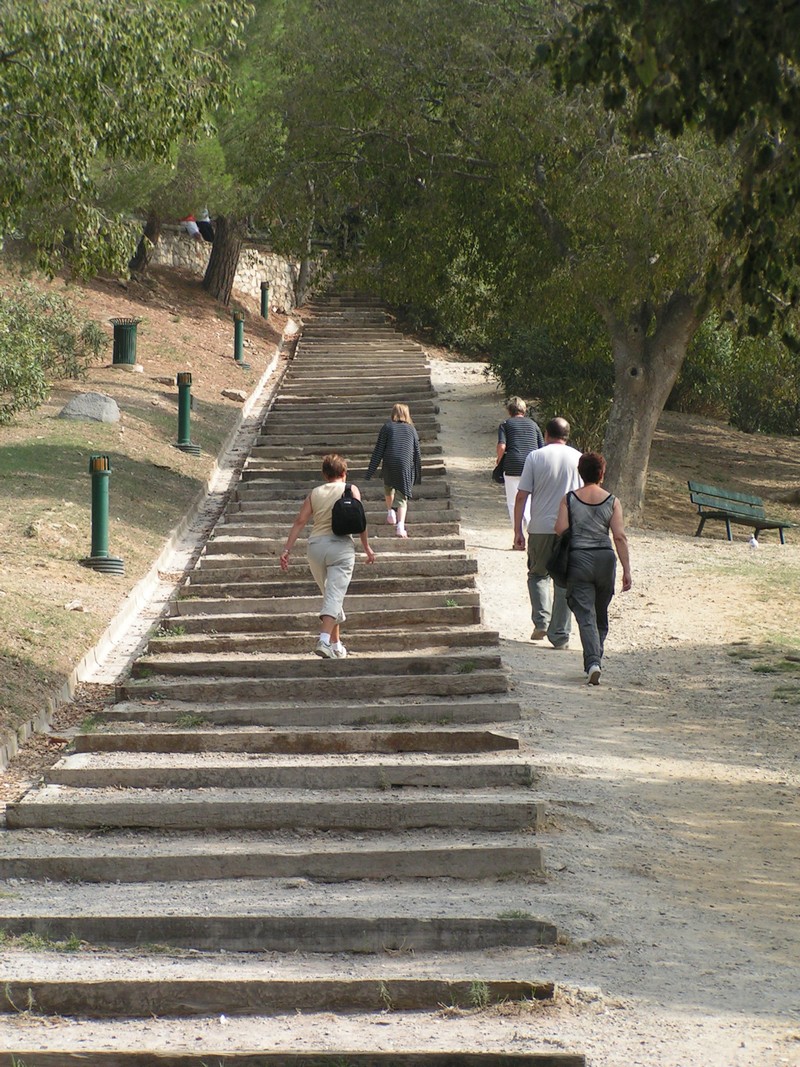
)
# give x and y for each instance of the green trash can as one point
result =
(124, 340)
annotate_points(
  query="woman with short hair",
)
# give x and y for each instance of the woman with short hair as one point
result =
(517, 437)
(397, 448)
(592, 513)
(331, 556)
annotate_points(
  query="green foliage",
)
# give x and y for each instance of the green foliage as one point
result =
(42, 339)
(566, 377)
(754, 382)
(764, 391)
(84, 84)
(730, 71)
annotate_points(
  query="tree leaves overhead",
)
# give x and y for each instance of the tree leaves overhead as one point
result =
(83, 82)
(731, 69)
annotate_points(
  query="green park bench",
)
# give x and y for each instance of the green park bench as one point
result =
(727, 506)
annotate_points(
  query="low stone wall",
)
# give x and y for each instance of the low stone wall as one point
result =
(178, 249)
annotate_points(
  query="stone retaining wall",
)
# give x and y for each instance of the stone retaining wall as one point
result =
(256, 265)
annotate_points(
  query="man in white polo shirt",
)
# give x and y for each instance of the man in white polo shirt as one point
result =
(549, 473)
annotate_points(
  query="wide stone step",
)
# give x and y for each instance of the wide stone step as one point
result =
(265, 511)
(274, 535)
(140, 856)
(311, 1057)
(356, 605)
(302, 665)
(164, 995)
(259, 487)
(304, 586)
(261, 809)
(297, 742)
(310, 715)
(219, 569)
(260, 915)
(200, 617)
(155, 770)
(327, 686)
(358, 643)
(250, 545)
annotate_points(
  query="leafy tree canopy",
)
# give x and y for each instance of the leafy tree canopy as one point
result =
(85, 83)
(732, 70)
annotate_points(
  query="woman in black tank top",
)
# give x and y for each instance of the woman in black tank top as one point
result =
(593, 514)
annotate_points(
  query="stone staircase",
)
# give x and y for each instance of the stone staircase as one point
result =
(254, 831)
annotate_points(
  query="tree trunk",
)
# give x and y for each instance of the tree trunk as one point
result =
(646, 363)
(147, 242)
(224, 259)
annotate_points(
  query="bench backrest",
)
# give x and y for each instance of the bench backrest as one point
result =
(711, 496)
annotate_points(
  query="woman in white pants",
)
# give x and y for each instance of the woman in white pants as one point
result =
(517, 437)
(331, 556)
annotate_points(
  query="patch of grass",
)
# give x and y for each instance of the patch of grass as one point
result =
(789, 694)
(479, 995)
(451, 603)
(514, 913)
(189, 720)
(385, 997)
(34, 942)
(468, 667)
(89, 724)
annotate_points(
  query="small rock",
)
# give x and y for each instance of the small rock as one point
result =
(75, 605)
(164, 379)
(91, 407)
(235, 394)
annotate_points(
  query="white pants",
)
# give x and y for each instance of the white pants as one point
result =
(512, 485)
(331, 560)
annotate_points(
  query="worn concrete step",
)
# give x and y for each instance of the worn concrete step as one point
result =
(303, 665)
(274, 534)
(265, 511)
(308, 472)
(327, 685)
(498, 904)
(219, 569)
(250, 545)
(258, 487)
(161, 770)
(356, 604)
(262, 809)
(147, 856)
(311, 715)
(165, 995)
(300, 742)
(310, 1057)
(358, 643)
(194, 617)
(302, 585)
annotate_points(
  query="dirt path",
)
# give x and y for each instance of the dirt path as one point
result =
(672, 787)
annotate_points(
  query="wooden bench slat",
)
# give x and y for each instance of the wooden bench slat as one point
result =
(726, 505)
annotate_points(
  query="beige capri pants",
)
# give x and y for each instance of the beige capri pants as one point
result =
(332, 559)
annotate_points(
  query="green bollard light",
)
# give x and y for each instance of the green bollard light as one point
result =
(265, 300)
(100, 470)
(238, 340)
(184, 442)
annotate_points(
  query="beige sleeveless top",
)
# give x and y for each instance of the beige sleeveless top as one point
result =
(323, 497)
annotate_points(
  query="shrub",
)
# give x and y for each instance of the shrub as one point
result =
(576, 383)
(42, 339)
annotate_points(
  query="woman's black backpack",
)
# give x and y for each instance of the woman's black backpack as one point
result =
(348, 515)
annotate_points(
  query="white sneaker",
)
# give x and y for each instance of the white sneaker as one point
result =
(391, 517)
(324, 650)
(593, 675)
(339, 652)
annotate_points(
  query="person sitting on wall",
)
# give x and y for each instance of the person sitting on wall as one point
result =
(190, 225)
(205, 227)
